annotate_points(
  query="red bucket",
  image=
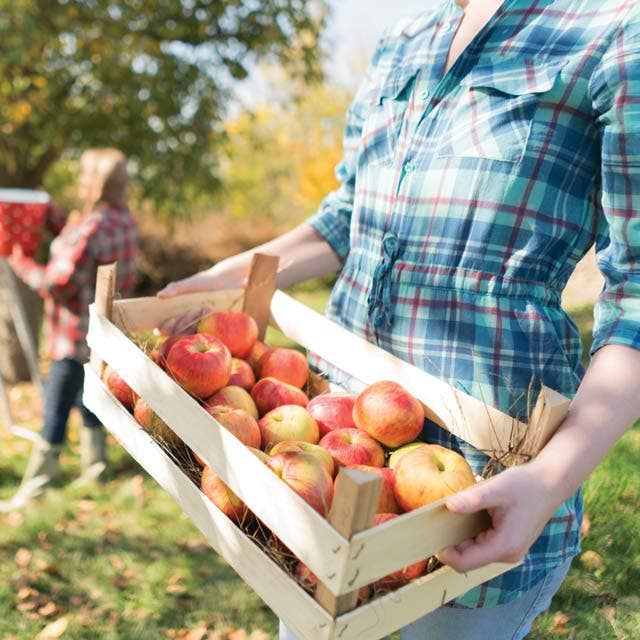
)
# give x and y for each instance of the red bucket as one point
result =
(22, 214)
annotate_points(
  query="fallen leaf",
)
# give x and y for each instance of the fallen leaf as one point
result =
(592, 560)
(54, 630)
(48, 610)
(610, 615)
(116, 562)
(25, 593)
(15, 519)
(586, 526)
(176, 589)
(258, 634)
(23, 557)
(237, 634)
(560, 621)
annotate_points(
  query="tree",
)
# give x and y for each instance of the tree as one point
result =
(151, 77)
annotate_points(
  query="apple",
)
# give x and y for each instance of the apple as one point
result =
(237, 421)
(255, 354)
(333, 410)
(151, 422)
(269, 393)
(396, 454)
(119, 388)
(200, 364)
(242, 374)
(233, 396)
(389, 413)
(387, 502)
(429, 473)
(287, 422)
(306, 475)
(236, 329)
(159, 353)
(288, 365)
(403, 576)
(314, 449)
(221, 495)
(353, 446)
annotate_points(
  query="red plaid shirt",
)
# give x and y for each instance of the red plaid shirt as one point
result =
(67, 282)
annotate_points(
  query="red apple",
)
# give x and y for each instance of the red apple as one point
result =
(429, 473)
(332, 410)
(287, 422)
(221, 495)
(353, 446)
(314, 449)
(150, 421)
(242, 425)
(400, 577)
(269, 393)
(255, 354)
(200, 364)
(159, 354)
(236, 329)
(233, 396)
(387, 502)
(119, 388)
(242, 374)
(396, 454)
(306, 475)
(389, 413)
(288, 365)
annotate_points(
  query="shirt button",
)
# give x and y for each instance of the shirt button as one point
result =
(446, 27)
(409, 167)
(424, 94)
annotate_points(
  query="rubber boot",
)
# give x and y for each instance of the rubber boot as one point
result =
(42, 469)
(93, 453)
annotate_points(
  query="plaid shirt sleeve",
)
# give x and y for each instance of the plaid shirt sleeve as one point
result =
(63, 274)
(332, 220)
(616, 95)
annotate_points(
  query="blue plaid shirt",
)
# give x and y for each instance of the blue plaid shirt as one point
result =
(468, 197)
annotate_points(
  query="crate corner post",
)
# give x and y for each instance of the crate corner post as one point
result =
(105, 293)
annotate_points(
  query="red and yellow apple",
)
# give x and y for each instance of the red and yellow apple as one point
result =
(287, 422)
(221, 495)
(387, 502)
(255, 354)
(353, 446)
(233, 396)
(288, 365)
(429, 473)
(269, 393)
(396, 454)
(399, 578)
(314, 449)
(333, 410)
(242, 374)
(389, 413)
(200, 364)
(236, 329)
(119, 388)
(238, 422)
(307, 476)
(151, 422)
(159, 354)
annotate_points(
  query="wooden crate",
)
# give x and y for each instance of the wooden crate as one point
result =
(342, 550)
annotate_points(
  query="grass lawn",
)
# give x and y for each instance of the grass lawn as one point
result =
(120, 561)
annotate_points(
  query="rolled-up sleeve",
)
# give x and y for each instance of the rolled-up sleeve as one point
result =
(332, 220)
(616, 97)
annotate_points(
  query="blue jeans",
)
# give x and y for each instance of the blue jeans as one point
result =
(511, 621)
(63, 391)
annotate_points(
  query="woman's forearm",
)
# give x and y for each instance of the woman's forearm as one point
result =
(606, 405)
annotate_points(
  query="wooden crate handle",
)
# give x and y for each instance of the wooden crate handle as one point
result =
(105, 292)
(261, 285)
(354, 505)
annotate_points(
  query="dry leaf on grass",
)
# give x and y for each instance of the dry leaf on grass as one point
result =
(592, 560)
(23, 557)
(54, 630)
(560, 621)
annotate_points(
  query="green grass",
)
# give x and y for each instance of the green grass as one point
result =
(121, 561)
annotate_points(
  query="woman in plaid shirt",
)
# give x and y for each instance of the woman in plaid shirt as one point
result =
(490, 146)
(102, 233)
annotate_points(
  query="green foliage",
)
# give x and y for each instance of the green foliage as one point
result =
(151, 78)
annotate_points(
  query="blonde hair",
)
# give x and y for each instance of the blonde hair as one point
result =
(109, 180)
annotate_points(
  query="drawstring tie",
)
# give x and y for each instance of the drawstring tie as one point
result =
(379, 299)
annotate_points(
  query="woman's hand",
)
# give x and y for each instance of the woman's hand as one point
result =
(16, 252)
(519, 504)
(227, 274)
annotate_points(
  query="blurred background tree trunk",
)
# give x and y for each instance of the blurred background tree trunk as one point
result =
(13, 364)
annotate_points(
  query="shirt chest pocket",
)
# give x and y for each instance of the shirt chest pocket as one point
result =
(492, 116)
(383, 126)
